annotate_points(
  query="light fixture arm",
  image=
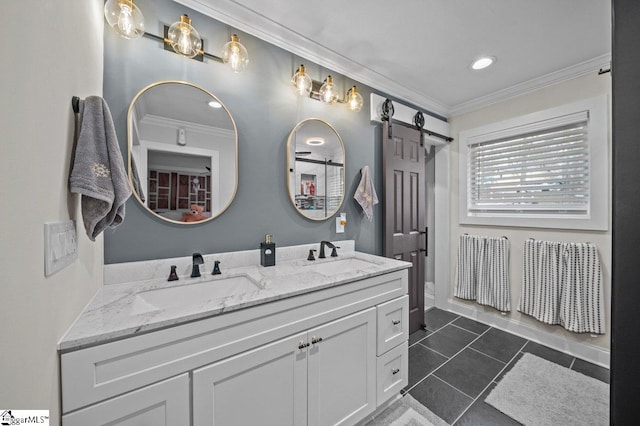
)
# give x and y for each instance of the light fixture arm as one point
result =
(167, 45)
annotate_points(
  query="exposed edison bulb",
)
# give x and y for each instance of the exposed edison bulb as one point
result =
(125, 18)
(301, 82)
(354, 99)
(184, 39)
(235, 54)
(328, 93)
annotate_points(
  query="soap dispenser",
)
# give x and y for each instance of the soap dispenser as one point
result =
(267, 252)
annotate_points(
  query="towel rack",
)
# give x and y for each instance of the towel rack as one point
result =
(75, 103)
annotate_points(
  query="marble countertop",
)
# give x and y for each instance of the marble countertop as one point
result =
(118, 312)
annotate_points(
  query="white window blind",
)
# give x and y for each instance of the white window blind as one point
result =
(541, 168)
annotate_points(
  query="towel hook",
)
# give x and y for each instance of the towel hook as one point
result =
(75, 103)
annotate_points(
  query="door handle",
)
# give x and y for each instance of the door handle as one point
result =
(426, 241)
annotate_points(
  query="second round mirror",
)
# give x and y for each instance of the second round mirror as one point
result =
(316, 167)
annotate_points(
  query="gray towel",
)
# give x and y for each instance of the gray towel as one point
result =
(135, 179)
(366, 193)
(98, 169)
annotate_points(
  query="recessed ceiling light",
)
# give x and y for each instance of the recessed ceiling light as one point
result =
(315, 141)
(483, 62)
(214, 104)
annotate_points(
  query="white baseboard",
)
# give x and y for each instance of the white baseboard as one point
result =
(429, 301)
(587, 352)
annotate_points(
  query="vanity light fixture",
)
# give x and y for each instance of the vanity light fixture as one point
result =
(328, 91)
(181, 37)
(125, 18)
(325, 91)
(301, 82)
(482, 63)
(354, 99)
(235, 54)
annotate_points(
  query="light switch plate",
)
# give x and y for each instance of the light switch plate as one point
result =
(60, 245)
(341, 221)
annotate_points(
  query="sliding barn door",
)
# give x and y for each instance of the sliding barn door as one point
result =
(404, 192)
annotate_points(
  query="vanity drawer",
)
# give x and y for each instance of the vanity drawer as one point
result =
(393, 372)
(393, 323)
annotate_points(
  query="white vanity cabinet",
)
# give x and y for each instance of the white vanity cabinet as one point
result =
(311, 359)
(325, 376)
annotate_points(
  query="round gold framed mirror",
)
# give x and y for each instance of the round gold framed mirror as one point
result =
(183, 152)
(315, 169)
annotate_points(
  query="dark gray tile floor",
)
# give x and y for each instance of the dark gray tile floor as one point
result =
(455, 363)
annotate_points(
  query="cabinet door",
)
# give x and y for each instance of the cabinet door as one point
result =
(342, 370)
(264, 386)
(165, 403)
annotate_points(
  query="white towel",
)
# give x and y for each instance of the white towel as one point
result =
(366, 194)
(98, 169)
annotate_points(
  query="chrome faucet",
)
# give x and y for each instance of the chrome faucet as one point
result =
(334, 253)
(197, 260)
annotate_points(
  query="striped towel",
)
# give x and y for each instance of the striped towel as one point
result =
(542, 274)
(466, 280)
(562, 285)
(482, 271)
(493, 274)
(581, 301)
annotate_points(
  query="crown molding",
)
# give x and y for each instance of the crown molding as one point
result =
(250, 22)
(172, 123)
(571, 72)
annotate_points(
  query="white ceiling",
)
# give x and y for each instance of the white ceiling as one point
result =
(183, 103)
(421, 50)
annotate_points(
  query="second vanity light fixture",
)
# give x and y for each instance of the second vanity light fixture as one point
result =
(326, 91)
(181, 37)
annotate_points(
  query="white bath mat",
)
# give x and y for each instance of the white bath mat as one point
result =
(407, 412)
(537, 392)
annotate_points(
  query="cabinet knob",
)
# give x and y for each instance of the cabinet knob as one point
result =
(302, 344)
(395, 371)
(395, 322)
(315, 339)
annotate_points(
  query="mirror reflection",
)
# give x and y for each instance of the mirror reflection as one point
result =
(316, 165)
(182, 152)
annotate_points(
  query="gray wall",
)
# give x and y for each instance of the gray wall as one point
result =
(265, 110)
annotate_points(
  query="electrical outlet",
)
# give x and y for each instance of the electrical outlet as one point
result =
(60, 245)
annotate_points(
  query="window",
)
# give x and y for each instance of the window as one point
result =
(547, 169)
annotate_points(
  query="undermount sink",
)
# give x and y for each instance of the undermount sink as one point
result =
(341, 266)
(194, 294)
